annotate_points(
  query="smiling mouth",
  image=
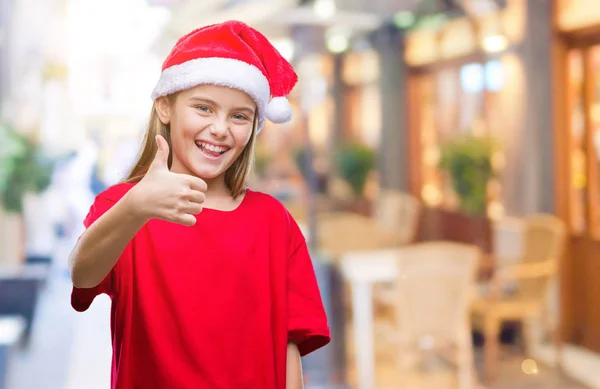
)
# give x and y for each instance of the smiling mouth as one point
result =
(211, 150)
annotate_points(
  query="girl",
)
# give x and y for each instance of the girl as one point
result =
(211, 283)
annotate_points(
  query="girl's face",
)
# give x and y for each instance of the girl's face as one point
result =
(210, 127)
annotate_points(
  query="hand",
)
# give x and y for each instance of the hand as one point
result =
(169, 196)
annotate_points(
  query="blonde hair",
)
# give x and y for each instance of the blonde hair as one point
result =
(236, 176)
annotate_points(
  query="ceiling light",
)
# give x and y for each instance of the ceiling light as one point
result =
(337, 43)
(495, 43)
(324, 9)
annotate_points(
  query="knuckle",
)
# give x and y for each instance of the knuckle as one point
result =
(184, 193)
(170, 215)
(181, 206)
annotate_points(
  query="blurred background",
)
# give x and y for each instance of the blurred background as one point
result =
(443, 161)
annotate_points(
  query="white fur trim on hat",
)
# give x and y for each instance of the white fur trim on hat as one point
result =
(217, 71)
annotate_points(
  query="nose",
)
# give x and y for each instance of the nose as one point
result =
(219, 127)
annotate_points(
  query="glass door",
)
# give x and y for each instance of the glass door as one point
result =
(593, 138)
(584, 140)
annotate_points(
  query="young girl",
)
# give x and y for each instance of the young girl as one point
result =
(211, 283)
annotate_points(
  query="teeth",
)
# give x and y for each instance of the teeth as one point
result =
(216, 149)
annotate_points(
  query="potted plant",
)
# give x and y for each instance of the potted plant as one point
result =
(355, 163)
(468, 162)
(24, 169)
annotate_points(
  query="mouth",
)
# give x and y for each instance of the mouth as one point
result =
(210, 149)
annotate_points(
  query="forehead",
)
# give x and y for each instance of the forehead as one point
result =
(219, 94)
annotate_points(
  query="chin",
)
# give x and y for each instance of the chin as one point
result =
(208, 173)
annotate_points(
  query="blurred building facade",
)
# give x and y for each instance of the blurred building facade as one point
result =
(576, 72)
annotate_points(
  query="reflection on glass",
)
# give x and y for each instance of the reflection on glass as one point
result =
(594, 139)
(494, 76)
(431, 178)
(472, 78)
(577, 154)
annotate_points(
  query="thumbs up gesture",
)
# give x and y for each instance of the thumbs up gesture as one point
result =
(165, 195)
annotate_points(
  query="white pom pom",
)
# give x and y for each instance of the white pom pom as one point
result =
(279, 110)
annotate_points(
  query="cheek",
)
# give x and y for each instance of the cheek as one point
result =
(183, 132)
(188, 121)
(242, 136)
(181, 137)
(188, 126)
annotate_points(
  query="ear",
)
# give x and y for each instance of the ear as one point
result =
(163, 109)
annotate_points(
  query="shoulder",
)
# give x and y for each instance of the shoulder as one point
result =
(267, 204)
(105, 200)
(115, 193)
(265, 200)
(274, 211)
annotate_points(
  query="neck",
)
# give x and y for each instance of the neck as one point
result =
(216, 187)
(218, 195)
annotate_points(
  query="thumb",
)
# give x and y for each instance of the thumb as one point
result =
(162, 154)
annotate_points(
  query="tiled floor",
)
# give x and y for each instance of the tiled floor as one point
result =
(72, 351)
(439, 375)
(512, 377)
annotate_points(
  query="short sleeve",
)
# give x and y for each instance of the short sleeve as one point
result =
(307, 320)
(82, 298)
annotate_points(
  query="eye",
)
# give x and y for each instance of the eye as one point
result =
(203, 108)
(239, 116)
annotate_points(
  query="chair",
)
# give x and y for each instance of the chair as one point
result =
(394, 224)
(544, 238)
(342, 232)
(434, 291)
(397, 214)
(397, 217)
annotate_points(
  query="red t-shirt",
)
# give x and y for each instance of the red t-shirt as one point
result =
(211, 306)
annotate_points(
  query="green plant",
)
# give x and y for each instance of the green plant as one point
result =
(24, 168)
(467, 161)
(355, 162)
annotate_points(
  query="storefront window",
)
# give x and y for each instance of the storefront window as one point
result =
(431, 190)
(494, 76)
(584, 140)
(452, 102)
(360, 75)
(594, 139)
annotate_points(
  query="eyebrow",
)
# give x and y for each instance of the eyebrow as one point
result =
(215, 104)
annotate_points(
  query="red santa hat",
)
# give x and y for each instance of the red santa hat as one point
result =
(235, 55)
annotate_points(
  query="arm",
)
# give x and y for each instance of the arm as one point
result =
(160, 194)
(102, 244)
(293, 368)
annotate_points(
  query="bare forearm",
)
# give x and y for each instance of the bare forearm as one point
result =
(293, 368)
(101, 245)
